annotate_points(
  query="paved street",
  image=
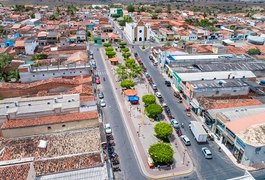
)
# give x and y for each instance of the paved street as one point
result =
(128, 162)
(220, 167)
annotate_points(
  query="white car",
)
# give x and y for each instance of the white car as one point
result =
(154, 87)
(108, 129)
(207, 153)
(174, 123)
(185, 140)
(158, 94)
(102, 103)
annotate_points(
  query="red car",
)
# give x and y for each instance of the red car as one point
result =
(97, 80)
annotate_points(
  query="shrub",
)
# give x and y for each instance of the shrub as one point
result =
(153, 110)
(109, 49)
(254, 51)
(107, 44)
(110, 54)
(39, 56)
(149, 99)
(127, 83)
(163, 130)
(161, 153)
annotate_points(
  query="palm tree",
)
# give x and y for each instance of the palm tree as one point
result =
(121, 72)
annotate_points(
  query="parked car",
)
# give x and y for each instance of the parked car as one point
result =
(185, 140)
(207, 153)
(174, 123)
(179, 132)
(158, 94)
(108, 129)
(100, 95)
(151, 58)
(154, 87)
(168, 83)
(135, 54)
(97, 80)
(147, 75)
(102, 103)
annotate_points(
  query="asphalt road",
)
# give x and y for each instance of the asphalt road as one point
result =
(111, 114)
(218, 168)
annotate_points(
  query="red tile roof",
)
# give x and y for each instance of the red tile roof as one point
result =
(12, 172)
(49, 120)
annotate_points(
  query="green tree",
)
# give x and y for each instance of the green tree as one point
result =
(127, 83)
(109, 49)
(39, 56)
(135, 71)
(53, 17)
(126, 55)
(122, 44)
(125, 49)
(110, 54)
(169, 8)
(107, 44)
(71, 10)
(148, 99)
(163, 130)
(154, 16)
(5, 59)
(254, 51)
(130, 8)
(158, 10)
(129, 63)
(121, 72)
(19, 8)
(161, 153)
(153, 110)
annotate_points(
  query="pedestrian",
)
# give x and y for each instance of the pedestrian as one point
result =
(158, 166)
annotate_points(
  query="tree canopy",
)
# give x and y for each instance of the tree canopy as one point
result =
(127, 83)
(107, 44)
(153, 110)
(163, 130)
(39, 56)
(149, 99)
(254, 51)
(110, 54)
(161, 153)
(130, 8)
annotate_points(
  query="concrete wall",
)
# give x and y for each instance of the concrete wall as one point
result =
(252, 157)
(52, 72)
(51, 128)
(31, 173)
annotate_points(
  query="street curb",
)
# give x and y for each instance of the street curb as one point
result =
(132, 139)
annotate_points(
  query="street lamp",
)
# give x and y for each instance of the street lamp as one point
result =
(184, 153)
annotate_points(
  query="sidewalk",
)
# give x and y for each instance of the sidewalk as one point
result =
(136, 121)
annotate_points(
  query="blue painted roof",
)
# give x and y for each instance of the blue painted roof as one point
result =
(133, 98)
(171, 58)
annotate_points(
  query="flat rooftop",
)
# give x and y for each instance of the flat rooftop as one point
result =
(196, 76)
(218, 83)
(58, 144)
(38, 104)
(251, 129)
(242, 66)
(235, 113)
(17, 171)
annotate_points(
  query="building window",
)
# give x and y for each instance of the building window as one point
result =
(29, 104)
(244, 76)
(233, 77)
(43, 75)
(63, 125)
(140, 31)
(217, 92)
(69, 100)
(7, 107)
(234, 91)
(33, 75)
(80, 71)
(48, 103)
(214, 78)
(49, 128)
(202, 79)
(53, 73)
(63, 73)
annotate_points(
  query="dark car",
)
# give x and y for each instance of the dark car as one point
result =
(151, 58)
(167, 83)
(136, 55)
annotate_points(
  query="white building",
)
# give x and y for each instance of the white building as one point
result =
(30, 46)
(29, 74)
(138, 32)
